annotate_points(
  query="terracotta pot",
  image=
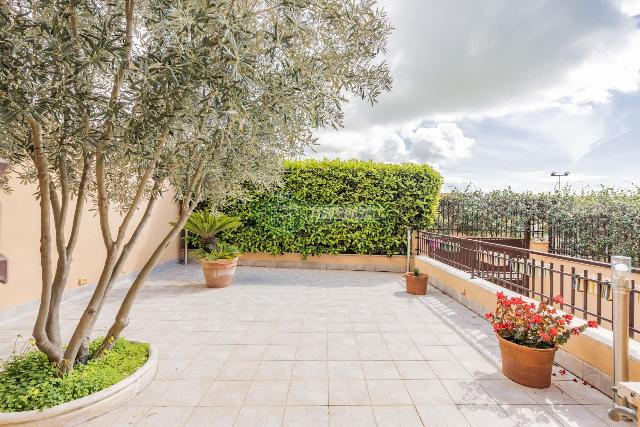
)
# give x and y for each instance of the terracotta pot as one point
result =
(525, 365)
(218, 273)
(416, 285)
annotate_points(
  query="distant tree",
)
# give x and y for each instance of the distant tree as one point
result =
(117, 102)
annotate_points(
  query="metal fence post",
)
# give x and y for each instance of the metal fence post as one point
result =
(186, 249)
(621, 283)
(409, 249)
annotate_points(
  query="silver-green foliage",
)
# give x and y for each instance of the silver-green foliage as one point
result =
(119, 101)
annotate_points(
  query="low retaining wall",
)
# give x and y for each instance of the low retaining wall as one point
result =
(588, 356)
(396, 263)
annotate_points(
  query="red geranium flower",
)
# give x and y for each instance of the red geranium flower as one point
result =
(532, 324)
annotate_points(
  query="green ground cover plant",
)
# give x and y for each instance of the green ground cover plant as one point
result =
(29, 381)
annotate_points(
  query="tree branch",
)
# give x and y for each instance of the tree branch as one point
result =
(103, 200)
(39, 333)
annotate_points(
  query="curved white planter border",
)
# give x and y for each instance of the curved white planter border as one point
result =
(83, 409)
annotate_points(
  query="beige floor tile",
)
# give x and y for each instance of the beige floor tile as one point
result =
(267, 393)
(184, 393)
(348, 416)
(169, 416)
(388, 392)
(260, 416)
(392, 416)
(348, 392)
(170, 369)
(441, 416)
(581, 393)
(486, 415)
(435, 352)
(550, 396)
(311, 416)
(238, 371)
(310, 370)
(308, 393)
(150, 395)
(467, 392)
(374, 352)
(345, 370)
(226, 393)
(404, 352)
(530, 415)
(274, 370)
(121, 417)
(343, 352)
(312, 351)
(428, 392)
(222, 416)
(415, 370)
(380, 370)
(280, 352)
(576, 416)
(249, 352)
(507, 392)
(365, 327)
(449, 370)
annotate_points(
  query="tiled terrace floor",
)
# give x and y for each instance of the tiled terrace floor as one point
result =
(310, 347)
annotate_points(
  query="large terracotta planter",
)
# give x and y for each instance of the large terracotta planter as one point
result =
(218, 273)
(416, 285)
(527, 366)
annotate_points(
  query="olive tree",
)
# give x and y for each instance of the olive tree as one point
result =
(111, 104)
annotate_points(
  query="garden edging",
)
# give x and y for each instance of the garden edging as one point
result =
(81, 410)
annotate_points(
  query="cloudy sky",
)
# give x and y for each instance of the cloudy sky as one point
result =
(501, 93)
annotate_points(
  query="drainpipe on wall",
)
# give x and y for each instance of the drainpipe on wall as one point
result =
(3, 259)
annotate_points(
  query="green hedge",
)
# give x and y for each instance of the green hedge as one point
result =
(336, 206)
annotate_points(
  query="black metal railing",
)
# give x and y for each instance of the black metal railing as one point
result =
(584, 284)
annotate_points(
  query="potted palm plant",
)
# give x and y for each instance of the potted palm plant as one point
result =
(218, 259)
(529, 334)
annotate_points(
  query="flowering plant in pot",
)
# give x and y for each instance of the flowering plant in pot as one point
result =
(416, 282)
(529, 335)
(218, 259)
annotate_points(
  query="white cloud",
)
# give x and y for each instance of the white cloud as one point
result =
(508, 90)
(442, 144)
(454, 59)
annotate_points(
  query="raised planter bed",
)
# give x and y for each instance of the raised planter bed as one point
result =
(395, 263)
(79, 411)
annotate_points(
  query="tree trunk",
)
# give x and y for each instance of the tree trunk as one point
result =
(122, 318)
(53, 352)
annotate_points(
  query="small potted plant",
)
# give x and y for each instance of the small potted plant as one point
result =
(218, 259)
(529, 335)
(416, 282)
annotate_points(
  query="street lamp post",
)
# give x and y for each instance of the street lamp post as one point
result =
(559, 175)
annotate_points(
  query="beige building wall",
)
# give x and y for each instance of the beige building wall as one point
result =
(20, 235)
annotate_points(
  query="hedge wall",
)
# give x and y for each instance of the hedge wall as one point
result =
(336, 206)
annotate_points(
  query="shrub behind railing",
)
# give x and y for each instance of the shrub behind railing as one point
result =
(338, 207)
(590, 224)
